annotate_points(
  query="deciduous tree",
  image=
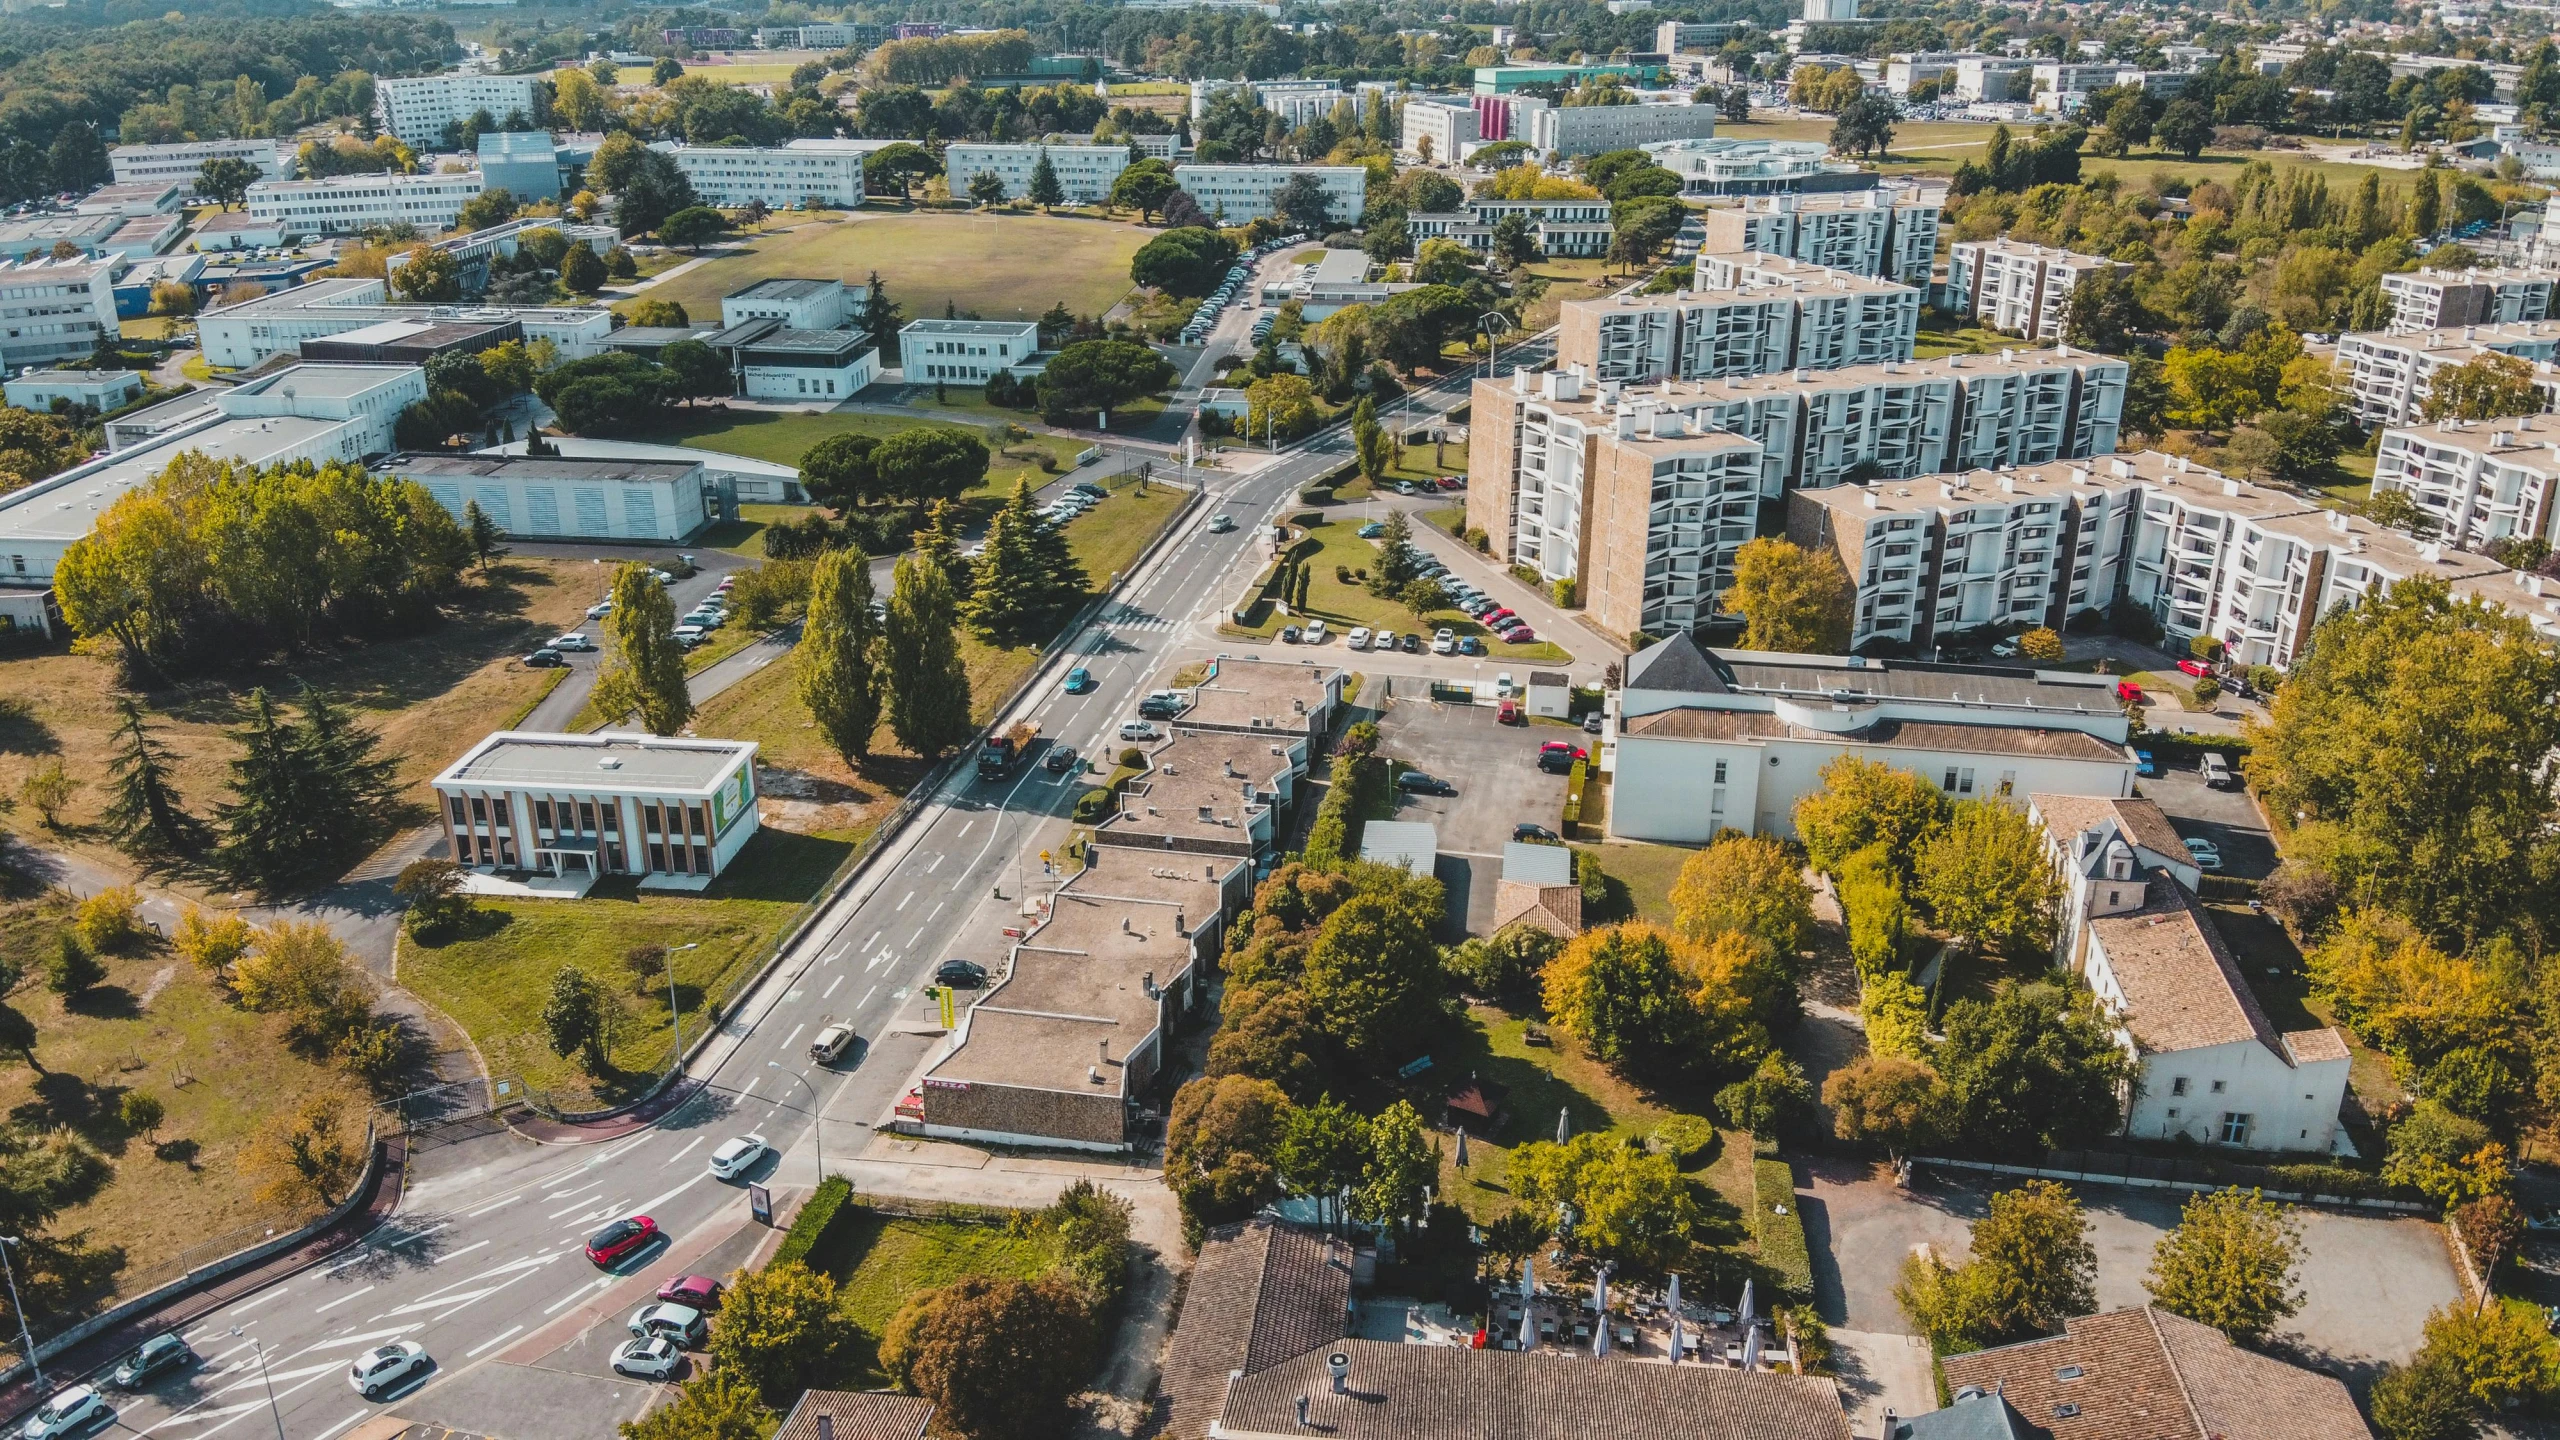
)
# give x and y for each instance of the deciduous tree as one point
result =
(308, 1160)
(1222, 1143)
(643, 670)
(1867, 802)
(838, 656)
(574, 1019)
(2229, 1264)
(997, 1356)
(2037, 1065)
(1790, 598)
(928, 685)
(1985, 878)
(1887, 1100)
(779, 1327)
(1747, 883)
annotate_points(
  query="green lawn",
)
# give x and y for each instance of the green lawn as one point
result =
(1642, 877)
(1964, 340)
(493, 980)
(1936, 147)
(1343, 606)
(745, 535)
(879, 1260)
(784, 436)
(1002, 267)
(724, 74)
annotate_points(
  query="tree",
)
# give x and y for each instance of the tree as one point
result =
(428, 276)
(1887, 1100)
(698, 370)
(1771, 1101)
(717, 1404)
(1373, 973)
(264, 822)
(2041, 645)
(842, 470)
(493, 206)
(1044, 189)
(2426, 1399)
(928, 686)
(1399, 1166)
(1271, 1032)
(1745, 883)
(665, 71)
(2504, 1352)
(1280, 407)
(1092, 377)
(1515, 241)
(1301, 201)
(1222, 1139)
(47, 790)
(838, 654)
(779, 1327)
(1188, 261)
(582, 271)
(987, 188)
(643, 670)
(1630, 1207)
(2186, 127)
(2032, 1267)
(226, 181)
(693, 227)
(213, 943)
(141, 1113)
(432, 891)
(2229, 1264)
(574, 1018)
(901, 165)
(1370, 443)
(484, 533)
(657, 314)
(2492, 387)
(2035, 1065)
(1422, 597)
(77, 159)
(72, 970)
(1621, 992)
(1985, 878)
(1867, 802)
(308, 1160)
(997, 1356)
(1144, 187)
(1864, 126)
(1323, 1149)
(930, 463)
(1791, 599)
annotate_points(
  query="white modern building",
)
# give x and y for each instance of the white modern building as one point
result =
(2388, 377)
(1595, 129)
(1241, 194)
(417, 108)
(1085, 172)
(2064, 87)
(2478, 481)
(781, 176)
(1725, 165)
(673, 809)
(969, 352)
(133, 198)
(1840, 318)
(56, 309)
(180, 163)
(1704, 741)
(99, 390)
(777, 362)
(2020, 288)
(346, 204)
(1890, 232)
(801, 303)
(2423, 300)
(551, 497)
(1449, 125)
(237, 337)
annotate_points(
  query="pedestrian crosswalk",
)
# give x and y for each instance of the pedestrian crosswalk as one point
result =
(1125, 618)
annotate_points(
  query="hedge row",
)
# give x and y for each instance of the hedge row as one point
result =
(1780, 1229)
(813, 1219)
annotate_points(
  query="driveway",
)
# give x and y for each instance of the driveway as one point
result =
(1495, 770)
(2228, 818)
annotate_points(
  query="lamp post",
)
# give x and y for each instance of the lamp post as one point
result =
(675, 1012)
(24, 1338)
(1492, 323)
(260, 1351)
(817, 1122)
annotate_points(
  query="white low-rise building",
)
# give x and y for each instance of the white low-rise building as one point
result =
(181, 162)
(969, 352)
(776, 362)
(417, 108)
(1567, 228)
(2477, 481)
(1241, 194)
(1727, 165)
(348, 204)
(781, 176)
(675, 810)
(2020, 288)
(799, 302)
(1085, 172)
(53, 310)
(1704, 741)
(249, 333)
(548, 497)
(2389, 377)
(99, 390)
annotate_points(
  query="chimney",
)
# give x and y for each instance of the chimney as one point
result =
(1104, 1046)
(1339, 1364)
(1892, 1423)
(1302, 1412)
(1093, 1073)
(1147, 982)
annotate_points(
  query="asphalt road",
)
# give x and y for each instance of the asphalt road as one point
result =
(484, 1264)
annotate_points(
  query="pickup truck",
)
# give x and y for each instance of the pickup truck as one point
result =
(1003, 751)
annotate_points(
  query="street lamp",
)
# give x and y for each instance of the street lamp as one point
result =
(817, 1122)
(675, 1012)
(24, 1338)
(260, 1351)
(1492, 323)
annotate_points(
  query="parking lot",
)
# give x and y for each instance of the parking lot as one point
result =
(2228, 818)
(1495, 770)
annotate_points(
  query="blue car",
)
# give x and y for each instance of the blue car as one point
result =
(1372, 530)
(1079, 680)
(2144, 765)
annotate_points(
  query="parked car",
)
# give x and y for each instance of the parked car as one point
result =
(2008, 648)
(600, 609)
(1564, 747)
(1510, 713)
(1089, 490)
(1161, 705)
(1498, 614)
(2197, 668)
(156, 1356)
(2130, 693)
(1520, 635)
(621, 1239)
(1139, 730)
(1059, 760)
(655, 1358)
(2217, 772)
(1372, 530)
(830, 1045)
(545, 658)
(574, 640)
(68, 1412)
(687, 636)
(1443, 642)
(1594, 723)
(2207, 855)
(2144, 765)
(1470, 645)
(1289, 634)
(736, 1157)
(1410, 642)
(1416, 783)
(960, 974)
(701, 1292)
(1383, 640)
(1525, 833)
(1079, 680)
(384, 1366)
(1315, 632)
(680, 1323)
(1556, 762)
(1358, 639)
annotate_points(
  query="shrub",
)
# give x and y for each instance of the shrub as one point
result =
(1779, 1229)
(1685, 1138)
(107, 921)
(813, 1220)
(2208, 690)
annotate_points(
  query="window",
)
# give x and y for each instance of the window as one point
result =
(2219, 1086)
(2178, 1085)
(701, 860)
(2235, 1128)
(2173, 1112)
(542, 814)
(1719, 772)
(479, 811)
(587, 815)
(461, 817)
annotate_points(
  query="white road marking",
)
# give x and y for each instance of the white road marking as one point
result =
(936, 865)
(876, 962)
(493, 1342)
(831, 987)
(749, 1089)
(866, 997)
(874, 940)
(902, 900)
(499, 1205)
(793, 1038)
(581, 1292)
(964, 829)
(465, 1250)
(261, 1300)
(937, 910)
(341, 1425)
(344, 1299)
(687, 1150)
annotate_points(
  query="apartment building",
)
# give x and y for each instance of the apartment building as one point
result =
(1573, 228)
(1749, 314)
(1596, 129)
(781, 176)
(674, 810)
(1994, 79)
(2020, 288)
(1241, 194)
(1085, 172)
(2063, 87)
(181, 162)
(56, 309)
(253, 331)
(348, 204)
(968, 351)
(417, 108)
(1841, 318)
(1448, 126)
(2027, 407)
(1890, 232)
(1298, 101)
(2388, 376)
(2441, 299)
(2478, 481)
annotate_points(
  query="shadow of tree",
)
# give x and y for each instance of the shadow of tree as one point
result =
(21, 733)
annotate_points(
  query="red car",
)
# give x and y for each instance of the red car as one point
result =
(620, 1239)
(1519, 635)
(1564, 747)
(1495, 616)
(2197, 668)
(1510, 714)
(2129, 693)
(700, 1292)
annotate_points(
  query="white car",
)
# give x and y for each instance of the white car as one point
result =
(831, 1043)
(2008, 648)
(689, 636)
(2206, 854)
(384, 1366)
(735, 1157)
(574, 640)
(681, 1323)
(1358, 639)
(600, 609)
(1315, 632)
(655, 1358)
(68, 1412)
(1443, 642)
(1383, 640)
(1502, 684)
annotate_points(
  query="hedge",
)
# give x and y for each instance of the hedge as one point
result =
(1780, 1231)
(813, 1219)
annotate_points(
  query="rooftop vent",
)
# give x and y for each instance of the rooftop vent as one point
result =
(608, 762)
(1338, 1365)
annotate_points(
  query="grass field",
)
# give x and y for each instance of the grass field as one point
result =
(1935, 147)
(1342, 606)
(491, 981)
(1002, 267)
(1964, 340)
(783, 437)
(879, 1260)
(158, 1027)
(749, 74)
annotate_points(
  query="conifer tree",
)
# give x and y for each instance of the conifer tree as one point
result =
(928, 686)
(482, 532)
(346, 784)
(880, 313)
(145, 816)
(1062, 577)
(839, 651)
(644, 667)
(938, 540)
(1045, 190)
(266, 840)
(1009, 591)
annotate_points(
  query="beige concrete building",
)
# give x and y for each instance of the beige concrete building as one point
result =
(2017, 287)
(1749, 313)
(2424, 300)
(1890, 232)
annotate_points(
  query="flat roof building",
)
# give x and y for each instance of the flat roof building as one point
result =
(2477, 481)
(133, 198)
(2390, 376)
(247, 334)
(417, 108)
(524, 163)
(801, 303)
(1085, 173)
(181, 162)
(55, 310)
(674, 810)
(549, 497)
(1890, 232)
(2017, 287)
(1726, 165)
(411, 342)
(969, 352)
(99, 390)
(34, 237)
(783, 177)
(349, 204)
(1241, 194)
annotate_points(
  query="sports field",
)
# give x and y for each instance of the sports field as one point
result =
(751, 74)
(1935, 147)
(1001, 266)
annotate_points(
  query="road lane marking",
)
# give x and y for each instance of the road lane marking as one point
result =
(866, 997)
(499, 1205)
(261, 1300)
(465, 1250)
(874, 940)
(750, 1088)
(876, 962)
(493, 1342)
(341, 1425)
(902, 900)
(344, 1299)
(964, 829)
(687, 1150)
(582, 1291)
(794, 1037)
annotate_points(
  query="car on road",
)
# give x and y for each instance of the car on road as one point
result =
(621, 1239)
(155, 1356)
(384, 1366)
(2207, 855)
(2197, 668)
(680, 1323)
(829, 1045)
(1358, 639)
(1221, 524)
(1417, 783)
(67, 1413)
(1525, 833)
(2145, 764)
(960, 974)
(1315, 632)
(1059, 760)
(1139, 730)
(1079, 680)
(575, 640)
(1289, 634)
(654, 1358)
(1443, 642)
(545, 658)
(736, 1157)
(600, 609)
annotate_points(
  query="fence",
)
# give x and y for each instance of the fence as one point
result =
(2303, 1184)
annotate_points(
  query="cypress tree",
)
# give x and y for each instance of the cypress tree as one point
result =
(928, 686)
(1045, 190)
(644, 667)
(346, 785)
(880, 314)
(1009, 592)
(482, 532)
(145, 816)
(936, 540)
(1062, 577)
(838, 651)
(266, 836)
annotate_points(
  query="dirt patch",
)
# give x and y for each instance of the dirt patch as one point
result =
(159, 981)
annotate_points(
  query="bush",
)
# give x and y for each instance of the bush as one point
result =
(109, 920)
(1685, 1138)
(1780, 1230)
(2208, 690)
(813, 1220)
(1090, 806)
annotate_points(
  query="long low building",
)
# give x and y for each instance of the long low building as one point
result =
(183, 161)
(1725, 165)
(674, 810)
(1085, 172)
(1241, 194)
(252, 332)
(547, 497)
(352, 204)
(781, 176)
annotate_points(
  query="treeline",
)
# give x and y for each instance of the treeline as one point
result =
(216, 562)
(242, 108)
(941, 59)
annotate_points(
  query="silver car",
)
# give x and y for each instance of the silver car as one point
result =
(655, 1358)
(384, 1366)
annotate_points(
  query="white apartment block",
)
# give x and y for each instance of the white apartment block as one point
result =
(1241, 194)
(2478, 481)
(347, 204)
(418, 108)
(673, 809)
(1596, 129)
(780, 176)
(968, 351)
(801, 304)
(2022, 289)
(2065, 87)
(181, 162)
(1993, 79)
(56, 309)
(1559, 227)
(1890, 232)
(1917, 67)
(1085, 172)
(1629, 339)
(1298, 101)
(1841, 318)
(240, 336)
(551, 497)
(2424, 300)
(1449, 126)
(2388, 377)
